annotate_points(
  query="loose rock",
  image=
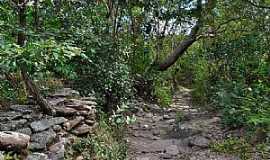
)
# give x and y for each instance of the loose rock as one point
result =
(83, 129)
(199, 141)
(37, 156)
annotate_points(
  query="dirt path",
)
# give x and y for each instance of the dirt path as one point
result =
(181, 132)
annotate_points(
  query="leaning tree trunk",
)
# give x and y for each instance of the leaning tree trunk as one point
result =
(185, 44)
(180, 49)
(30, 85)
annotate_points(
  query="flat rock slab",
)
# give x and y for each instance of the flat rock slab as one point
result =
(23, 108)
(10, 115)
(12, 125)
(44, 124)
(13, 141)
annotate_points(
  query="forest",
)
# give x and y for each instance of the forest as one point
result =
(134, 79)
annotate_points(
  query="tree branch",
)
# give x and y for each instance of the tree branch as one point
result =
(185, 44)
(180, 50)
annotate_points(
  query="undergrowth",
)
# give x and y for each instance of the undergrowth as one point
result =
(105, 144)
(242, 148)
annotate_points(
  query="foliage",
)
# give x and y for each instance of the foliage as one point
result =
(106, 144)
(119, 117)
(234, 146)
(6, 92)
(242, 148)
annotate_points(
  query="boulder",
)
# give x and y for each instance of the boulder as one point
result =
(39, 141)
(41, 125)
(13, 141)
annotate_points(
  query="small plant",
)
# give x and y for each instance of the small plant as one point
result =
(179, 116)
(120, 119)
(239, 147)
(163, 95)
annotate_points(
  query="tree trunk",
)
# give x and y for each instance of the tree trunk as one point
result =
(30, 85)
(34, 91)
(185, 44)
(180, 50)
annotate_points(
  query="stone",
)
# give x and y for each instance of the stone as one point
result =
(57, 128)
(166, 117)
(25, 130)
(73, 123)
(187, 130)
(77, 102)
(84, 113)
(146, 127)
(37, 156)
(155, 138)
(91, 98)
(57, 120)
(57, 151)
(23, 108)
(157, 118)
(65, 111)
(33, 116)
(193, 110)
(44, 124)
(90, 122)
(148, 115)
(83, 129)
(12, 125)
(171, 121)
(172, 150)
(66, 92)
(199, 141)
(13, 141)
(156, 132)
(79, 158)
(40, 125)
(39, 141)
(56, 101)
(2, 157)
(10, 115)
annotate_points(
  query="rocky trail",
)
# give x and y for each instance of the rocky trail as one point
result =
(182, 132)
